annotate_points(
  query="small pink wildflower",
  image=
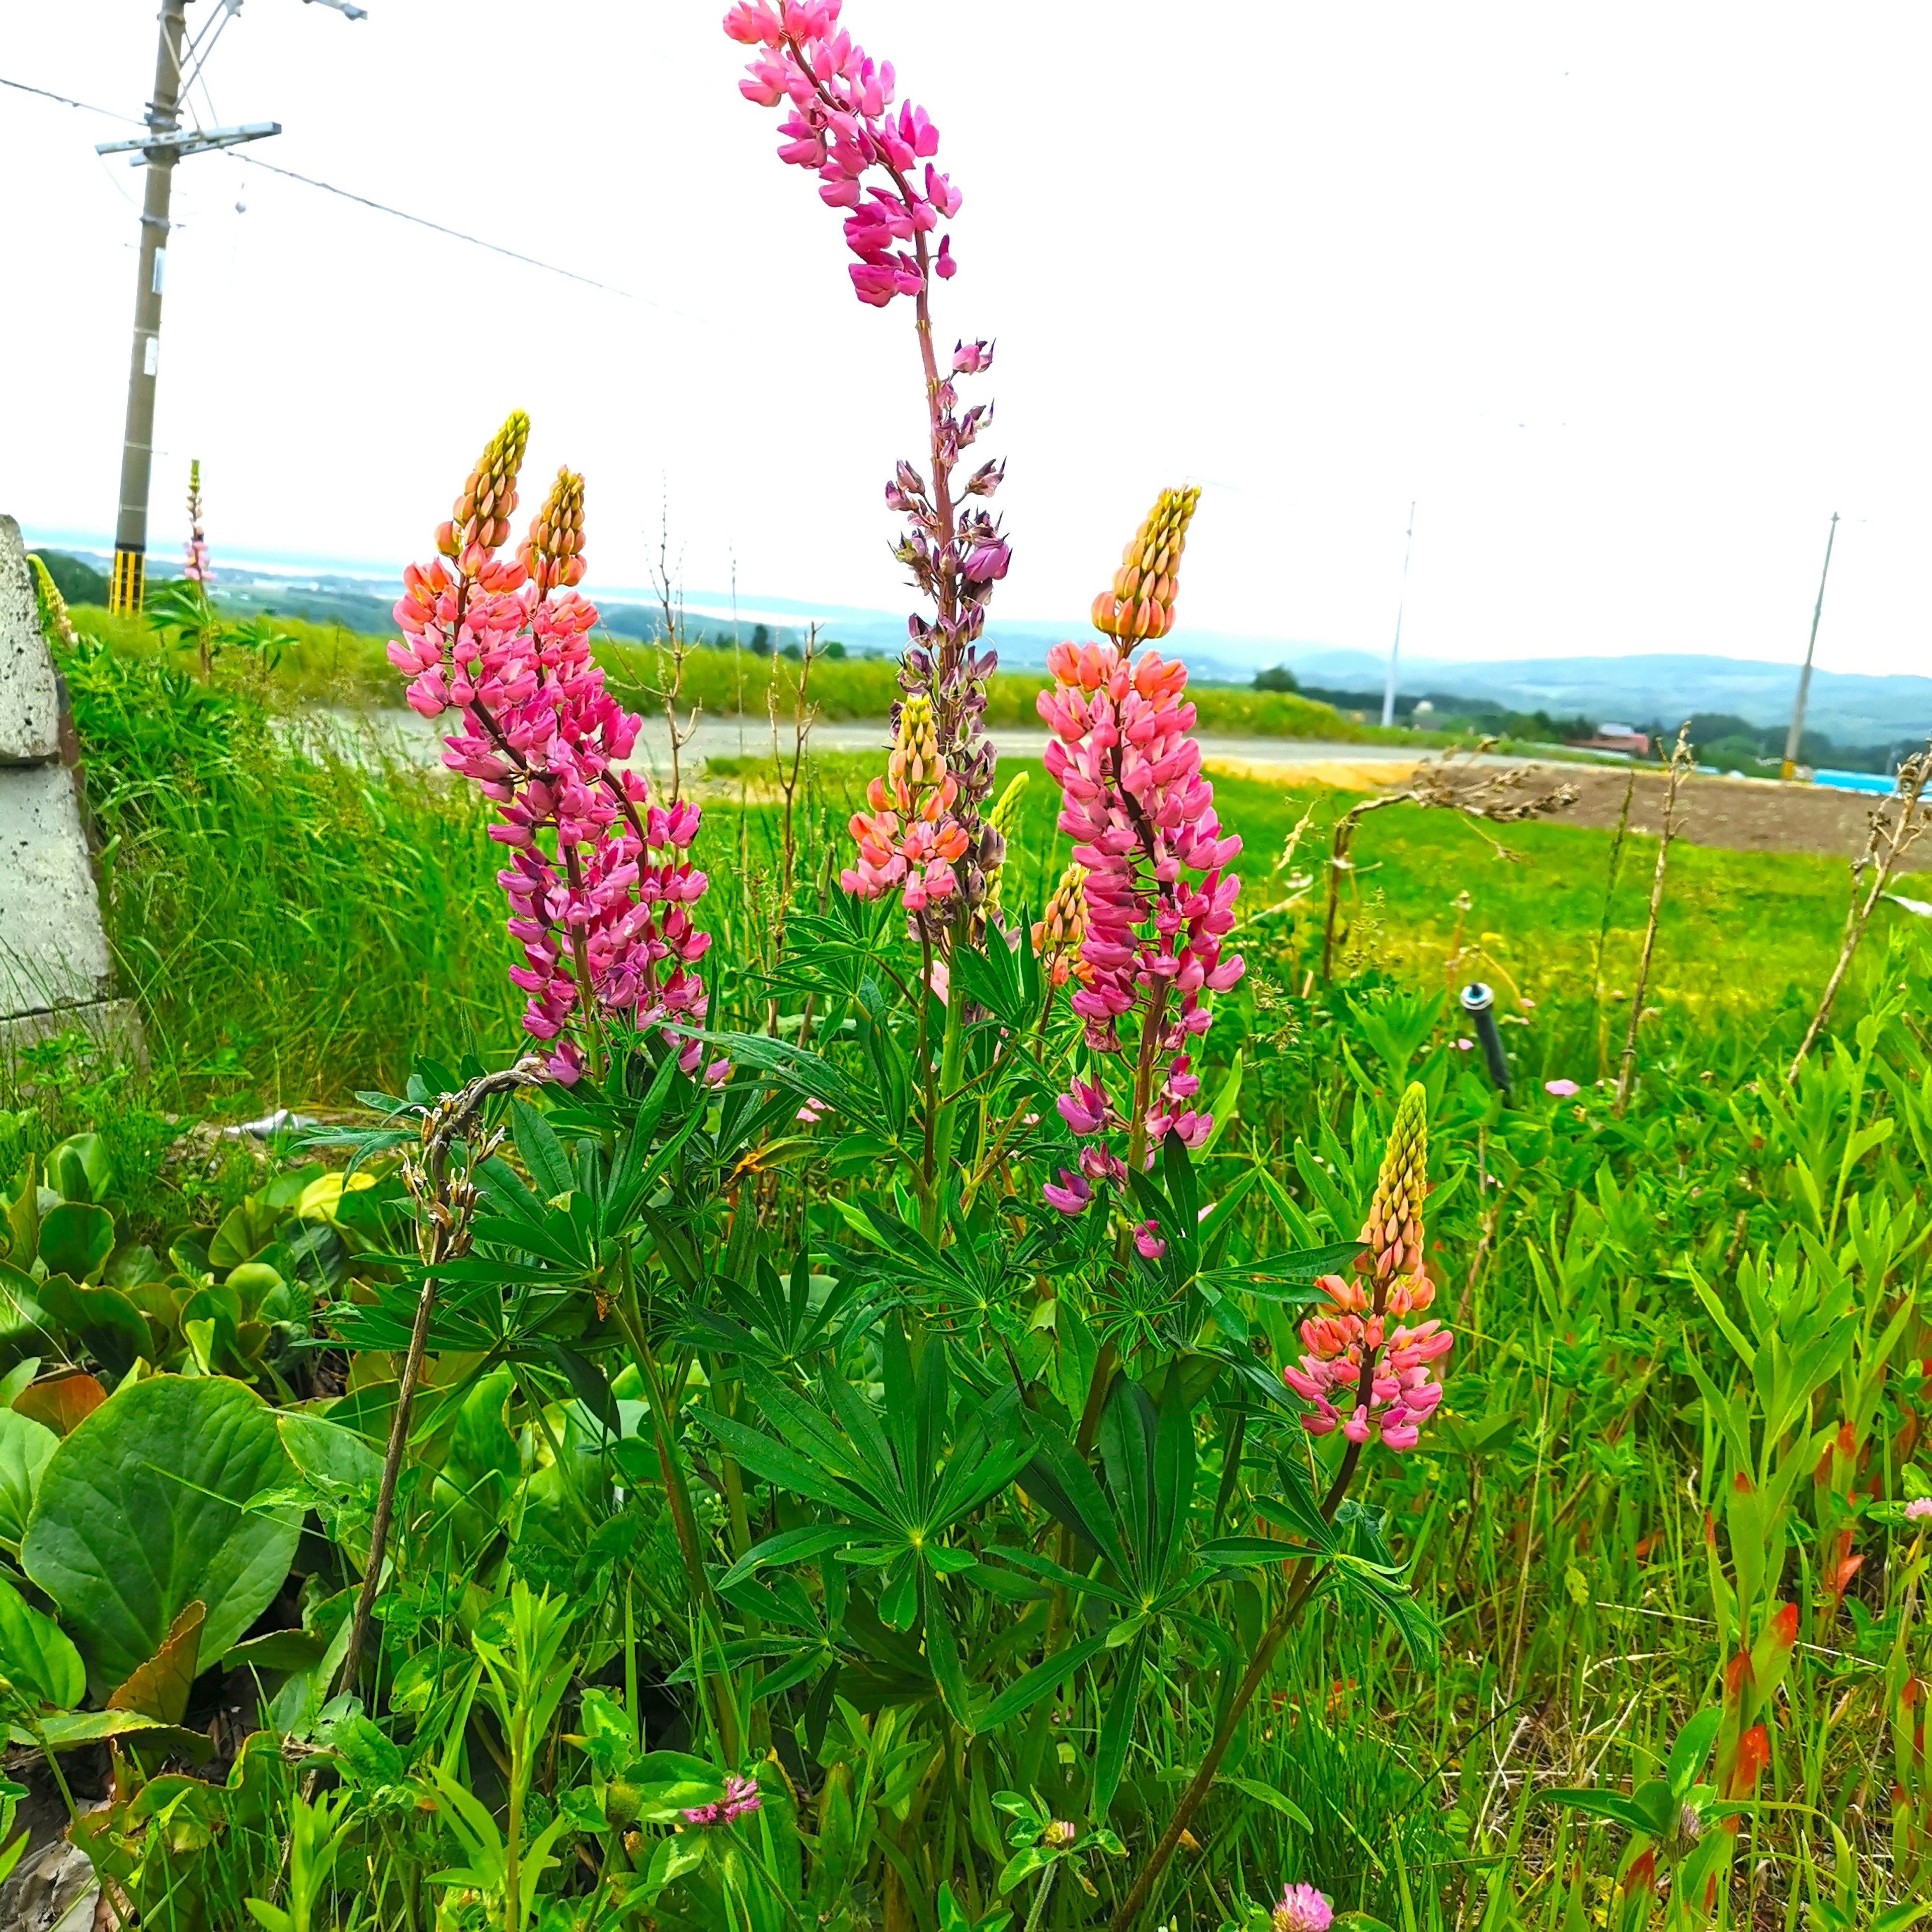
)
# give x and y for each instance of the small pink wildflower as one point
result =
(1919, 1509)
(1147, 1238)
(1562, 1089)
(1301, 1909)
(741, 1795)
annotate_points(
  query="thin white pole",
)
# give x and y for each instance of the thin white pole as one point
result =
(1794, 738)
(1395, 649)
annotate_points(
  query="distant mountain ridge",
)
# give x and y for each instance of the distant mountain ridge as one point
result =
(1851, 707)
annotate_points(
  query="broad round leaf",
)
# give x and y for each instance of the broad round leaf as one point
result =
(26, 1448)
(77, 1239)
(36, 1653)
(145, 1508)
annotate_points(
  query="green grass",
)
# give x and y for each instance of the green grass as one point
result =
(298, 921)
(324, 664)
(296, 924)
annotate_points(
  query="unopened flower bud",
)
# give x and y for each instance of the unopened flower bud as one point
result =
(553, 552)
(1140, 603)
(480, 517)
(1059, 1832)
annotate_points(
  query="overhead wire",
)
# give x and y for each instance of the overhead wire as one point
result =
(381, 208)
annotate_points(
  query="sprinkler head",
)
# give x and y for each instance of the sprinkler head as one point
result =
(1480, 1003)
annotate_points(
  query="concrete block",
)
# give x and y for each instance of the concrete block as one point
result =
(29, 706)
(53, 951)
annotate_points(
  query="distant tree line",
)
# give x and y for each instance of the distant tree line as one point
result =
(1722, 739)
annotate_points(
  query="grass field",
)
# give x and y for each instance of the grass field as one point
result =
(1615, 1498)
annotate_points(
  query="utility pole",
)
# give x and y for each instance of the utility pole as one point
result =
(1795, 736)
(159, 149)
(1395, 649)
(129, 582)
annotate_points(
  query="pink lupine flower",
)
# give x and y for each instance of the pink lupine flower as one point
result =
(1133, 799)
(1562, 1089)
(1146, 1239)
(1301, 1909)
(504, 646)
(195, 568)
(910, 841)
(875, 166)
(741, 1796)
(1362, 1369)
(1071, 1193)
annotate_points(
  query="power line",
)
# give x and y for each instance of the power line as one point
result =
(456, 234)
(329, 187)
(87, 106)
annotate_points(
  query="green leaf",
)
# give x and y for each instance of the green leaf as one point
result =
(1266, 1794)
(1029, 1690)
(1611, 1805)
(81, 1167)
(36, 1654)
(144, 1509)
(1122, 1700)
(26, 1448)
(106, 1322)
(1692, 1747)
(76, 1239)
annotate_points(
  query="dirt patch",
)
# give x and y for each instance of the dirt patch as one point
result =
(1740, 815)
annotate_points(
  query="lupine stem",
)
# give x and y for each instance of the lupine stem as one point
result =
(1301, 1585)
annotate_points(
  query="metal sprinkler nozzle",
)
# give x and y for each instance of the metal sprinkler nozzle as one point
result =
(1480, 1003)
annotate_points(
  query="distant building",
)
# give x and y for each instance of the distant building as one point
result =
(1614, 738)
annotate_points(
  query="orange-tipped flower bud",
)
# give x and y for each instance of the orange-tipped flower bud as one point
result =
(915, 759)
(1141, 601)
(480, 519)
(1059, 936)
(553, 552)
(1394, 1232)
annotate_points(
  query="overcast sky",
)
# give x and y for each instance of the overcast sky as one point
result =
(1629, 298)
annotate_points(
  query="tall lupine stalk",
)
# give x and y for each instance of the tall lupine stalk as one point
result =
(195, 566)
(1394, 1238)
(1142, 818)
(599, 880)
(868, 159)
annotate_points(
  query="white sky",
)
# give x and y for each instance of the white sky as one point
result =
(1631, 297)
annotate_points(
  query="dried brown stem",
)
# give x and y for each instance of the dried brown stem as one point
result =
(1682, 762)
(1887, 839)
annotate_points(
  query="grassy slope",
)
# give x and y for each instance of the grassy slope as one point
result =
(325, 664)
(297, 926)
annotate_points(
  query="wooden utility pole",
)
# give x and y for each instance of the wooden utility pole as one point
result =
(163, 145)
(1794, 737)
(128, 584)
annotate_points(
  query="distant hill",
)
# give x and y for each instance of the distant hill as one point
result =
(1852, 707)
(1849, 707)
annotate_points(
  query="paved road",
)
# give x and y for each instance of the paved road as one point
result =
(419, 738)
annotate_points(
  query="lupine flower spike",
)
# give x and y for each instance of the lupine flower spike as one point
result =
(1402, 1396)
(1142, 819)
(605, 924)
(876, 167)
(56, 624)
(196, 568)
(909, 840)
